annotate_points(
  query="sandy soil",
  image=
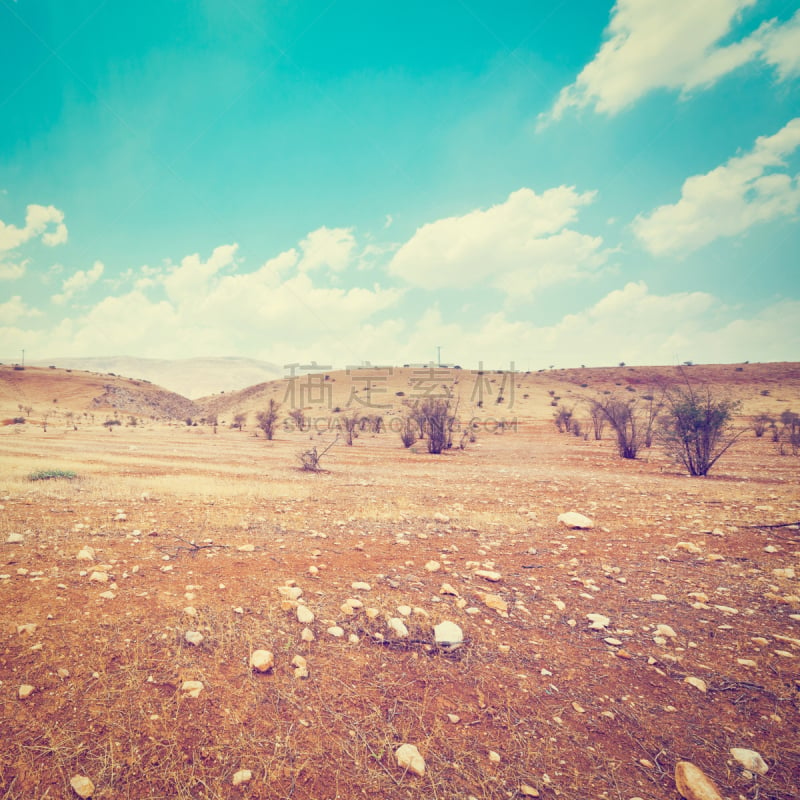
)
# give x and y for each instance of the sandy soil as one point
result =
(535, 702)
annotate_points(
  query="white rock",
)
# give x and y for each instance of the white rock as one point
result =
(693, 783)
(86, 554)
(246, 548)
(262, 660)
(598, 622)
(433, 566)
(290, 592)
(15, 538)
(448, 636)
(28, 628)
(489, 575)
(194, 637)
(494, 757)
(307, 635)
(689, 547)
(82, 786)
(25, 691)
(242, 776)
(305, 615)
(750, 760)
(192, 688)
(665, 630)
(107, 595)
(409, 758)
(698, 683)
(448, 589)
(572, 519)
(398, 627)
(336, 631)
(360, 586)
(99, 577)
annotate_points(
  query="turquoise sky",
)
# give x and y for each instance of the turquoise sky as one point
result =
(543, 183)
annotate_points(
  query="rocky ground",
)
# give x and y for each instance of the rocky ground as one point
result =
(194, 616)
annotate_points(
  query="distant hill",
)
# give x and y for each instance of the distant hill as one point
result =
(37, 393)
(190, 377)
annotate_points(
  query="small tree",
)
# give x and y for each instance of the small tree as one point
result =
(299, 418)
(761, 422)
(408, 432)
(789, 432)
(563, 418)
(239, 420)
(624, 417)
(696, 427)
(351, 425)
(267, 419)
(598, 420)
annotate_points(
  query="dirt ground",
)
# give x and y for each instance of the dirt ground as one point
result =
(194, 529)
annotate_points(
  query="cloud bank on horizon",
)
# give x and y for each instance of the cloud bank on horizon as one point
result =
(347, 186)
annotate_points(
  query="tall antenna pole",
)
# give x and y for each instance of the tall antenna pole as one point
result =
(23, 358)
(438, 355)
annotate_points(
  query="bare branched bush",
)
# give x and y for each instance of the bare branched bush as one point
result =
(788, 434)
(696, 427)
(408, 432)
(626, 421)
(267, 420)
(298, 417)
(761, 423)
(351, 424)
(309, 459)
(598, 420)
(434, 418)
(563, 418)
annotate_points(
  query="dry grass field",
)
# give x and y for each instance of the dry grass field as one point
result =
(168, 529)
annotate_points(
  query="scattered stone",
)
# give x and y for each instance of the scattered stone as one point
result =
(448, 636)
(598, 622)
(433, 566)
(307, 635)
(666, 631)
(528, 791)
(572, 519)
(28, 628)
(194, 637)
(750, 760)
(448, 589)
(746, 662)
(658, 598)
(410, 759)
(454, 718)
(15, 538)
(336, 631)
(192, 688)
(300, 667)
(305, 615)
(82, 786)
(397, 627)
(689, 547)
(494, 757)
(190, 611)
(107, 595)
(25, 691)
(360, 586)
(86, 554)
(693, 783)
(698, 683)
(404, 611)
(99, 577)
(489, 575)
(242, 776)
(495, 602)
(578, 708)
(439, 517)
(290, 592)
(246, 548)
(262, 660)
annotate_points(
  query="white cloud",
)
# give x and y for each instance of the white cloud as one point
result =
(630, 324)
(79, 282)
(727, 200)
(38, 220)
(652, 44)
(327, 247)
(192, 278)
(11, 271)
(519, 245)
(14, 310)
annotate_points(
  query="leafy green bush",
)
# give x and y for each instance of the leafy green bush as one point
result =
(50, 474)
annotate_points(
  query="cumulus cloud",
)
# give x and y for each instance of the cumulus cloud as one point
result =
(192, 278)
(729, 199)
(78, 282)
(630, 324)
(15, 309)
(44, 221)
(651, 44)
(11, 271)
(518, 246)
(327, 247)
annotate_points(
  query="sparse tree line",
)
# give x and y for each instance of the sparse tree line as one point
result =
(694, 427)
